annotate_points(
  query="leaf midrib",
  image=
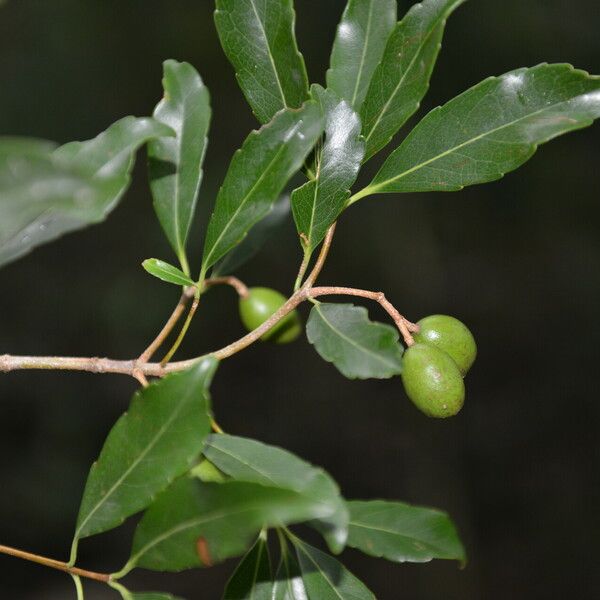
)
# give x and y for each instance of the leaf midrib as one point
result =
(353, 343)
(136, 462)
(418, 51)
(364, 53)
(406, 537)
(318, 566)
(271, 58)
(468, 142)
(247, 196)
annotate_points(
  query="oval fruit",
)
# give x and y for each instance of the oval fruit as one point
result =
(432, 381)
(451, 336)
(259, 305)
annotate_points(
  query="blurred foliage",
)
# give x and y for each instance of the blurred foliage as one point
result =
(517, 260)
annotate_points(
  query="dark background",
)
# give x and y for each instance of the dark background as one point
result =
(517, 260)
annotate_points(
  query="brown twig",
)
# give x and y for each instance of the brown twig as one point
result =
(141, 370)
(128, 367)
(239, 286)
(402, 323)
(183, 331)
(148, 353)
(54, 564)
(310, 280)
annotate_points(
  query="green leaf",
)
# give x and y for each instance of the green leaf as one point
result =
(111, 153)
(319, 202)
(491, 129)
(40, 200)
(27, 146)
(196, 524)
(248, 460)
(44, 194)
(252, 578)
(327, 579)
(256, 238)
(256, 176)
(175, 163)
(401, 532)
(166, 272)
(259, 41)
(359, 44)
(343, 335)
(402, 78)
(288, 579)
(157, 440)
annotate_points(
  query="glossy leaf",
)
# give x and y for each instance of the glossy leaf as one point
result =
(259, 41)
(401, 532)
(257, 174)
(196, 524)
(343, 335)
(40, 200)
(319, 202)
(166, 272)
(402, 78)
(491, 129)
(157, 440)
(252, 578)
(288, 579)
(175, 163)
(248, 460)
(111, 153)
(359, 44)
(327, 579)
(45, 194)
(251, 245)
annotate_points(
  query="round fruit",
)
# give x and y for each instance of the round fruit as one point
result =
(432, 381)
(207, 472)
(259, 305)
(450, 335)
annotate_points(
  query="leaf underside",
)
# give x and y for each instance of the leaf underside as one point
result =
(252, 461)
(343, 335)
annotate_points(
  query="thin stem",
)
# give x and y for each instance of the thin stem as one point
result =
(367, 191)
(302, 270)
(183, 331)
(240, 287)
(215, 426)
(310, 280)
(148, 353)
(402, 323)
(127, 367)
(54, 564)
(125, 593)
(78, 586)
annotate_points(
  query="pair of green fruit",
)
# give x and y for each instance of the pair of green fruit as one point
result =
(434, 367)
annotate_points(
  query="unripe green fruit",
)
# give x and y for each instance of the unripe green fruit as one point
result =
(207, 472)
(450, 335)
(259, 305)
(432, 381)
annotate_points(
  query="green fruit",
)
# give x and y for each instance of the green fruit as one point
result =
(259, 305)
(451, 336)
(432, 381)
(207, 472)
